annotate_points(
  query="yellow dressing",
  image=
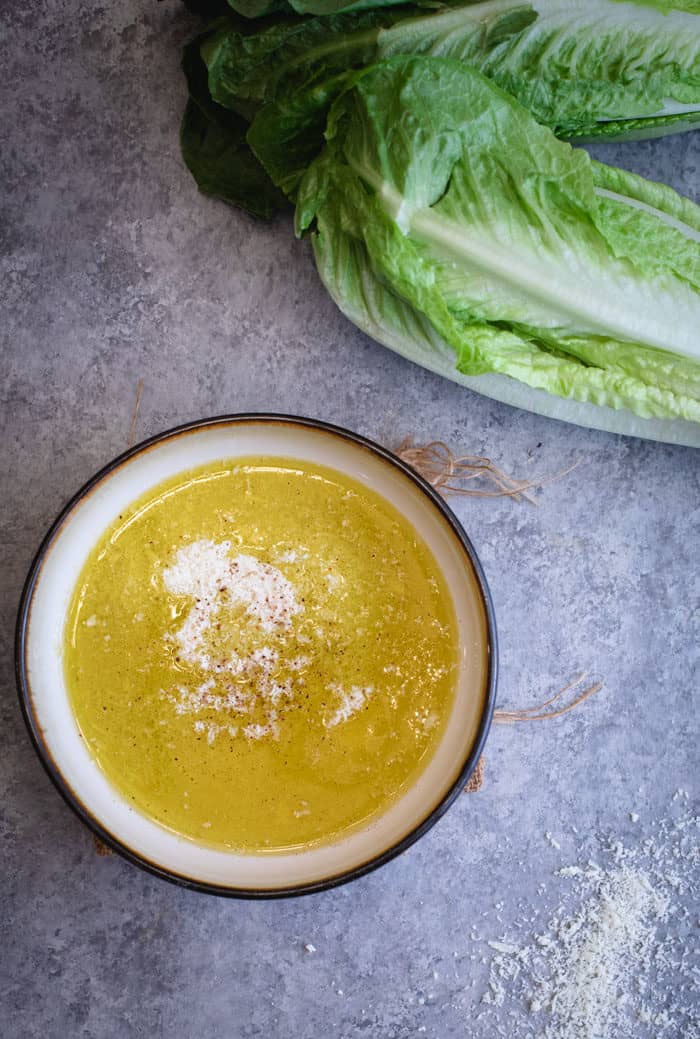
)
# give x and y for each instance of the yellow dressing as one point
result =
(261, 654)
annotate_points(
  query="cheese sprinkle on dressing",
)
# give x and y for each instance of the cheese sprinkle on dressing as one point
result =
(261, 655)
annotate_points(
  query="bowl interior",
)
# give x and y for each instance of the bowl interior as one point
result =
(46, 694)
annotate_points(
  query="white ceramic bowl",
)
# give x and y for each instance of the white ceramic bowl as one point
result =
(53, 728)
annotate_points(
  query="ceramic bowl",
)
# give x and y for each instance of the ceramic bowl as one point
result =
(52, 725)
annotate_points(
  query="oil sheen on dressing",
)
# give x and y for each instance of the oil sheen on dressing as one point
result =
(261, 654)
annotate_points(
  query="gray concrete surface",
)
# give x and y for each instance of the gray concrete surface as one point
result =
(115, 269)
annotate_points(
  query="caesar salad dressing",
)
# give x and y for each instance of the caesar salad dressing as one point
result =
(261, 654)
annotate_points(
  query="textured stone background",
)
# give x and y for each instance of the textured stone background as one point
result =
(115, 269)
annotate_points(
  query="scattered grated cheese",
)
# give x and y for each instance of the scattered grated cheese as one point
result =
(275, 691)
(350, 703)
(293, 555)
(298, 663)
(615, 961)
(287, 557)
(206, 572)
(257, 731)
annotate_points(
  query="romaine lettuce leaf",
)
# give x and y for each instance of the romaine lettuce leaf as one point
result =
(592, 69)
(670, 5)
(577, 64)
(291, 53)
(215, 150)
(589, 69)
(345, 270)
(581, 63)
(257, 8)
(522, 254)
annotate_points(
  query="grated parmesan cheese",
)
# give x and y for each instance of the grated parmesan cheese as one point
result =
(257, 731)
(298, 663)
(350, 703)
(213, 730)
(616, 958)
(293, 555)
(206, 572)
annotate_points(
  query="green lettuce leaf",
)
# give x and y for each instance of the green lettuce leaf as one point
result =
(366, 300)
(575, 63)
(523, 255)
(693, 6)
(589, 69)
(215, 150)
(643, 129)
(582, 63)
(290, 54)
(257, 8)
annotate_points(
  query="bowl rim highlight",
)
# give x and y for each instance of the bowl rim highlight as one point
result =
(53, 768)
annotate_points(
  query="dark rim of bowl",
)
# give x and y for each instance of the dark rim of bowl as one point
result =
(54, 771)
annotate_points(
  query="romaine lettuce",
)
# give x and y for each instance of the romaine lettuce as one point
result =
(441, 201)
(215, 150)
(258, 8)
(586, 68)
(590, 69)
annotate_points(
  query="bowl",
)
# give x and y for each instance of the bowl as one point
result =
(52, 725)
